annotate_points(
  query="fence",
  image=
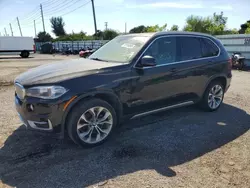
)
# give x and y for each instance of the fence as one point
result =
(237, 43)
(233, 43)
(74, 45)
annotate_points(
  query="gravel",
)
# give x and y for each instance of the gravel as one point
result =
(184, 147)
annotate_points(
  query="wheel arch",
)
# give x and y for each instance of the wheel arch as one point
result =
(107, 96)
(220, 78)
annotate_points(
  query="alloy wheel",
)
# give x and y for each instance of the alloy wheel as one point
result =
(215, 96)
(94, 125)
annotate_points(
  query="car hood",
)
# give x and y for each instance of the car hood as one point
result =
(51, 73)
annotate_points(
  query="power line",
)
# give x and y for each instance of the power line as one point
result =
(35, 16)
(27, 20)
(31, 14)
(61, 8)
(49, 2)
(30, 21)
(56, 4)
(76, 8)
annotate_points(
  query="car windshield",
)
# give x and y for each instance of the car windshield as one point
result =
(121, 49)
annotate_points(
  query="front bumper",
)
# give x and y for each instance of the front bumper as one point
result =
(38, 115)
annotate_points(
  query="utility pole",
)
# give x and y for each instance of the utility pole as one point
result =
(11, 29)
(0, 34)
(41, 7)
(125, 27)
(106, 25)
(5, 32)
(35, 27)
(93, 7)
(19, 26)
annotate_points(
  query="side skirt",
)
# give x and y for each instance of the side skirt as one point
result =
(163, 109)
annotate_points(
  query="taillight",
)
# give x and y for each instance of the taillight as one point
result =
(34, 48)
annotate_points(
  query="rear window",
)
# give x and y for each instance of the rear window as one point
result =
(190, 48)
(209, 49)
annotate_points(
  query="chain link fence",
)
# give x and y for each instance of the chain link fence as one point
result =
(73, 45)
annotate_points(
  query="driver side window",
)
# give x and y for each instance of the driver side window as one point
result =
(163, 50)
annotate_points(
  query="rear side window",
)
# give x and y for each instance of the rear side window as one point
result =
(209, 49)
(190, 48)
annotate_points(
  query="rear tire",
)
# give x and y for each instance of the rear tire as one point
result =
(242, 65)
(213, 96)
(91, 122)
(24, 54)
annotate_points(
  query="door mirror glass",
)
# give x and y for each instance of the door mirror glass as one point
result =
(148, 61)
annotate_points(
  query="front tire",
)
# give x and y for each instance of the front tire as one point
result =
(91, 122)
(213, 96)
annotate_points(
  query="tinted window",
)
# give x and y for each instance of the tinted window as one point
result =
(163, 50)
(209, 49)
(190, 48)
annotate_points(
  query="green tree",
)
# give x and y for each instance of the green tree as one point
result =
(156, 28)
(214, 25)
(98, 35)
(198, 24)
(74, 37)
(43, 37)
(109, 34)
(245, 27)
(57, 25)
(174, 28)
(248, 28)
(138, 29)
(218, 24)
(231, 31)
(148, 29)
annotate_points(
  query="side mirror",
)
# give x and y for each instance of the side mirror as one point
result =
(148, 61)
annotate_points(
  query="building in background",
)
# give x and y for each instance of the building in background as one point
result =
(237, 43)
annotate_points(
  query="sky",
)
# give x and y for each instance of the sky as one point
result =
(78, 15)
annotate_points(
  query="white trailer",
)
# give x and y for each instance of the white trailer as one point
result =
(22, 46)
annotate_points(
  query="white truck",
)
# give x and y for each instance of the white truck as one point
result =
(22, 46)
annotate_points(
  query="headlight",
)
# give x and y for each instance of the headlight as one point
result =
(46, 92)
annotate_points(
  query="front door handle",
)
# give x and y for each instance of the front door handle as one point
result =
(173, 70)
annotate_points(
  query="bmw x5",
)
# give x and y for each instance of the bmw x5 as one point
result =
(131, 76)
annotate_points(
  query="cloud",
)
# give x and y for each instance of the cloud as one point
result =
(166, 5)
(19, 2)
(179, 5)
(108, 3)
(225, 7)
(117, 1)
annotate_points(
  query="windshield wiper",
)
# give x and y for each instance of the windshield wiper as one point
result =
(97, 59)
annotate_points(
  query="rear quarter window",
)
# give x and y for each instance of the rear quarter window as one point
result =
(209, 49)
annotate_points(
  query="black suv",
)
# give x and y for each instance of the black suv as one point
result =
(131, 76)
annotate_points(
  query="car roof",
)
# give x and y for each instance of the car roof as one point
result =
(163, 33)
(141, 34)
(181, 33)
